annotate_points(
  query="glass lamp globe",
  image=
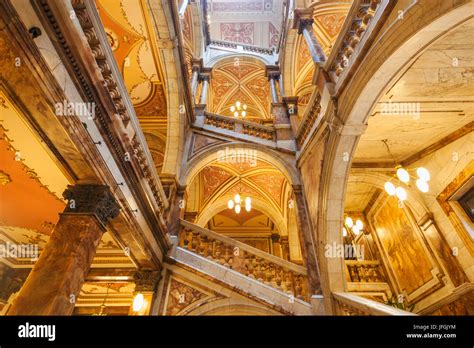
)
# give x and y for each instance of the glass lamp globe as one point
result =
(403, 175)
(344, 232)
(237, 208)
(356, 230)
(237, 198)
(389, 188)
(232, 108)
(244, 113)
(401, 193)
(423, 174)
(230, 204)
(359, 224)
(349, 222)
(422, 185)
(237, 104)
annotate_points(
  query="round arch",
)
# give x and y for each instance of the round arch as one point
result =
(433, 23)
(232, 306)
(284, 163)
(221, 205)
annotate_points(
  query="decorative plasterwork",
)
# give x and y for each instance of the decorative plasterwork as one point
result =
(328, 21)
(241, 79)
(129, 32)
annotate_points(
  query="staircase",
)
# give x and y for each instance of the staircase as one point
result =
(261, 275)
(241, 130)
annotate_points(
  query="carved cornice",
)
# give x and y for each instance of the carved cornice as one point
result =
(140, 149)
(91, 199)
(146, 280)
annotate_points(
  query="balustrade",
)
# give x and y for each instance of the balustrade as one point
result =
(244, 127)
(251, 262)
(364, 271)
(359, 18)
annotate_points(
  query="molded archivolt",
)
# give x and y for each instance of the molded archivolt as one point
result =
(284, 163)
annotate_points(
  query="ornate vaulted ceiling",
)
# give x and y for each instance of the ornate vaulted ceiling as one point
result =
(328, 20)
(250, 22)
(240, 78)
(133, 42)
(219, 182)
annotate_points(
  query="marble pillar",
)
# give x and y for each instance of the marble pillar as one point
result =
(54, 282)
(308, 248)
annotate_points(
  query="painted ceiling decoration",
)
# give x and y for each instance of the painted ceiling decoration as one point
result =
(260, 180)
(243, 79)
(249, 22)
(32, 182)
(131, 36)
(328, 21)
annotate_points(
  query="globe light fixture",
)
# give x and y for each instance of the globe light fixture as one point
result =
(239, 109)
(349, 222)
(389, 188)
(403, 175)
(401, 193)
(423, 174)
(236, 203)
(422, 185)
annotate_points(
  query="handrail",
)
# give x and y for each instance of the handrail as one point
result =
(309, 118)
(349, 304)
(251, 250)
(240, 126)
(364, 271)
(246, 47)
(358, 21)
(236, 120)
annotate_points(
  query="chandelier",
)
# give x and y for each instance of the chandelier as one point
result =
(350, 225)
(422, 178)
(236, 203)
(239, 109)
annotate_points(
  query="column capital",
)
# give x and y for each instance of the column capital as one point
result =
(197, 64)
(303, 18)
(275, 237)
(272, 71)
(205, 74)
(146, 280)
(91, 199)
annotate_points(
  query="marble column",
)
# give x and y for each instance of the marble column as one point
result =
(308, 247)
(146, 283)
(205, 85)
(273, 78)
(196, 70)
(177, 209)
(182, 7)
(54, 282)
(304, 23)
